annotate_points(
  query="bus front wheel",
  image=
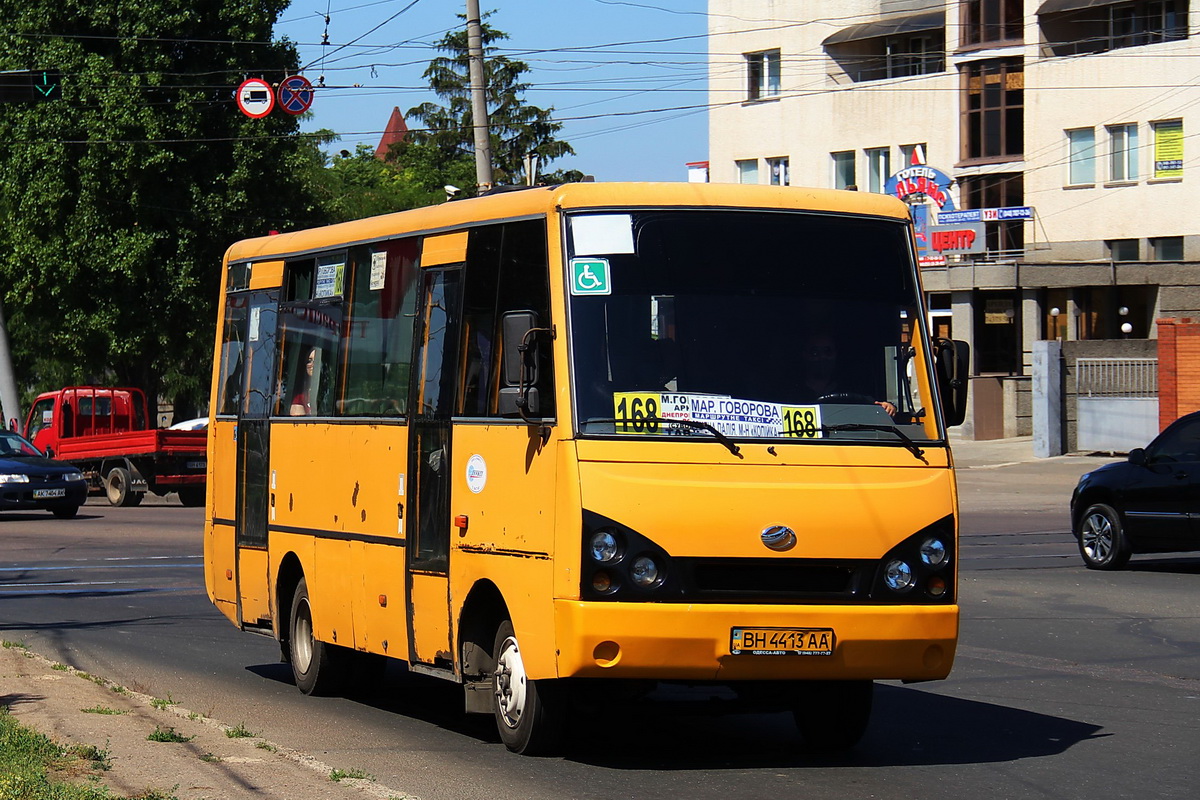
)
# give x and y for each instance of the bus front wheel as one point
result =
(529, 714)
(833, 715)
(312, 660)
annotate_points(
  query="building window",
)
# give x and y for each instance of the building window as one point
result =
(1168, 149)
(1146, 22)
(915, 55)
(1167, 248)
(912, 155)
(1081, 157)
(1096, 28)
(878, 57)
(993, 109)
(1124, 249)
(762, 75)
(1122, 152)
(992, 21)
(879, 167)
(778, 168)
(997, 191)
(748, 171)
(843, 170)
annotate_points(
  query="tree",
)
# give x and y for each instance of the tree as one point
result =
(118, 200)
(360, 185)
(516, 127)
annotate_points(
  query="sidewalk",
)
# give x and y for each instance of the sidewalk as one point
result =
(970, 454)
(206, 762)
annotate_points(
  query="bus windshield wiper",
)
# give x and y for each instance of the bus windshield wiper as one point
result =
(691, 423)
(908, 443)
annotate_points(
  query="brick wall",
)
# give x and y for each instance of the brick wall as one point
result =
(1178, 369)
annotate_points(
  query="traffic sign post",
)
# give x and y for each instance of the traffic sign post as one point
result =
(30, 86)
(295, 94)
(255, 98)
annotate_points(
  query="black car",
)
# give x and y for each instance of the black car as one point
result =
(29, 480)
(1149, 503)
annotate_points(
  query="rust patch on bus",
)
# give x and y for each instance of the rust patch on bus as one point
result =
(354, 497)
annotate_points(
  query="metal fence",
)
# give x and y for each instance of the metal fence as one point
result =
(1116, 377)
(1117, 402)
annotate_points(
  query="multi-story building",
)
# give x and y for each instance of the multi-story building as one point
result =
(1060, 127)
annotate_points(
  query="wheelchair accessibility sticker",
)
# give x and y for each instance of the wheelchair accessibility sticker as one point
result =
(590, 276)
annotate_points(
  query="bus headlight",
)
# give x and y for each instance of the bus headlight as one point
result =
(933, 551)
(919, 569)
(898, 576)
(604, 547)
(644, 572)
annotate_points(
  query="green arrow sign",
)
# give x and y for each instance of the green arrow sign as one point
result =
(32, 85)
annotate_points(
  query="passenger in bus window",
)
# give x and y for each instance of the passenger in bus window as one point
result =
(822, 380)
(301, 401)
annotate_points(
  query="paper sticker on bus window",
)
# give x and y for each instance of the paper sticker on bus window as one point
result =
(329, 280)
(378, 270)
(255, 322)
(602, 234)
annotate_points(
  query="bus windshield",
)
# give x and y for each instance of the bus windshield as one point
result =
(759, 324)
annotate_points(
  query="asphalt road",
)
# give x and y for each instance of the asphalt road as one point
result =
(1068, 683)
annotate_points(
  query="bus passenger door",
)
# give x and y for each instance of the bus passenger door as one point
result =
(435, 371)
(253, 459)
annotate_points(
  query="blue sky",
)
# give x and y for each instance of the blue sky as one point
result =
(626, 78)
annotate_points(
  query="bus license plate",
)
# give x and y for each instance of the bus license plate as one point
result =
(196, 465)
(42, 494)
(781, 641)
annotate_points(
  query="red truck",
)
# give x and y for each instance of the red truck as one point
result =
(105, 432)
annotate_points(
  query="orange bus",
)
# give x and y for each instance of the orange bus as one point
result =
(567, 442)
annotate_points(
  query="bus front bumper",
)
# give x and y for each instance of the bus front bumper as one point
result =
(666, 641)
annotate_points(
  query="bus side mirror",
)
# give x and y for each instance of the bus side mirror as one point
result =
(951, 359)
(519, 353)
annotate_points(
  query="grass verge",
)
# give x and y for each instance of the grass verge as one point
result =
(34, 767)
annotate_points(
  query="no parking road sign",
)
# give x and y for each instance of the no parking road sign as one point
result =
(295, 94)
(255, 98)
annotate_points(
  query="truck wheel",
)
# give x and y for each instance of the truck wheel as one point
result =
(192, 496)
(117, 487)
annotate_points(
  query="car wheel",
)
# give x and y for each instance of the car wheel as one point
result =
(65, 512)
(314, 663)
(833, 715)
(1101, 538)
(117, 487)
(529, 714)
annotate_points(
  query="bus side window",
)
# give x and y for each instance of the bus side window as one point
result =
(232, 353)
(506, 270)
(381, 301)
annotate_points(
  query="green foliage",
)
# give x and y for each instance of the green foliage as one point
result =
(103, 710)
(119, 200)
(516, 127)
(168, 734)
(239, 731)
(29, 761)
(360, 185)
(337, 775)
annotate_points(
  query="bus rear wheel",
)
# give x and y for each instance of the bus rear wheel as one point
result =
(530, 715)
(833, 715)
(314, 663)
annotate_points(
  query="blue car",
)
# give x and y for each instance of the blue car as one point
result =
(29, 480)
(1145, 504)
